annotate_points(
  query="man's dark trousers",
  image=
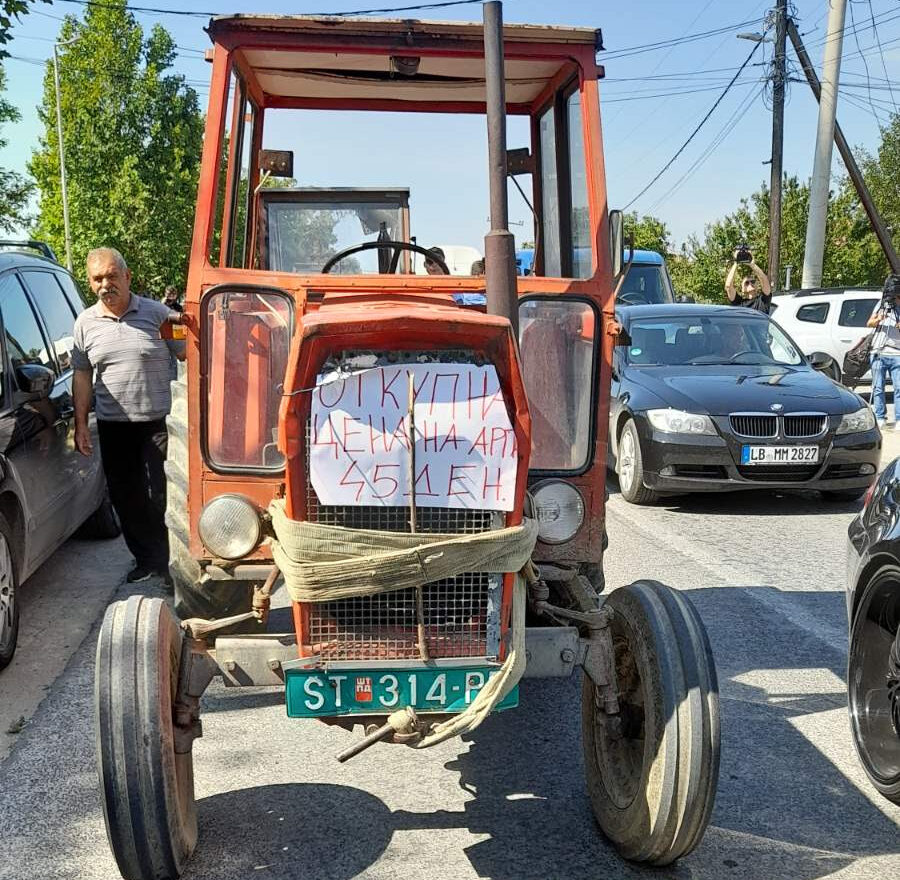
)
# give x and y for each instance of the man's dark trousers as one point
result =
(133, 454)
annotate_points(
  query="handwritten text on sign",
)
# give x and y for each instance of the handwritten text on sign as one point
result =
(465, 448)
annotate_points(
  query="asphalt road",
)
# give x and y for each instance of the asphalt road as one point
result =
(508, 802)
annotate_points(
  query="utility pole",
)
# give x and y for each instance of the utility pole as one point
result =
(62, 152)
(882, 233)
(779, 74)
(821, 176)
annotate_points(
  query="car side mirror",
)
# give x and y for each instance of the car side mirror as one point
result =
(822, 362)
(35, 379)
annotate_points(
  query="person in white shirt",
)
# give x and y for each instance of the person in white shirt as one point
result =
(885, 352)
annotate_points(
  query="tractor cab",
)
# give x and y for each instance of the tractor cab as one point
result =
(412, 453)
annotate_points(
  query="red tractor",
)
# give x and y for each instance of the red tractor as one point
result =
(419, 458)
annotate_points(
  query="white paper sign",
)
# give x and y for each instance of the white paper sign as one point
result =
(465, 448)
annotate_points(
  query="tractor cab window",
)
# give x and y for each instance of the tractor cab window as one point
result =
(248, 335)
(557, 342)
(303, 230)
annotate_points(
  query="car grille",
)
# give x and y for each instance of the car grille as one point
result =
(762, 473)
(750, 425)
(806, 425)
(461, 614)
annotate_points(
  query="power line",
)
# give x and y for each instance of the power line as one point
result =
(881, 52)
(672, 94)
(700, 125)
(675, 41)
(865, 67)
(202, 14)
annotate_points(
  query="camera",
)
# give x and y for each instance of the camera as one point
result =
(742, 254)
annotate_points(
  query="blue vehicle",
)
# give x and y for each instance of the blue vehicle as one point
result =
(647, 282)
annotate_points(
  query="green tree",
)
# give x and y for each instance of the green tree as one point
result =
(15, 190)
(649, 232)
(133, 134)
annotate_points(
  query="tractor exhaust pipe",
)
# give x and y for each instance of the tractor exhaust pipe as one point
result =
(499, 244)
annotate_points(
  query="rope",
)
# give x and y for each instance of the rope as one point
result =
(321, 563)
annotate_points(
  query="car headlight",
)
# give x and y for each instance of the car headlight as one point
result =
(559, 509)
(677, 421)
(229, 526)
(855, 422)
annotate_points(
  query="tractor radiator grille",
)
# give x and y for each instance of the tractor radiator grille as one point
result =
(461, 614)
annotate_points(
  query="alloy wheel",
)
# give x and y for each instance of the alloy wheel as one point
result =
(7, 592)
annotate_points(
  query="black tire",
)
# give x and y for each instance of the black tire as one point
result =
(843, 495)
(630, 467)
(102, 524)
(195, 595)
(652, 788)
(9, 586)
(147, 788)
(873, 707)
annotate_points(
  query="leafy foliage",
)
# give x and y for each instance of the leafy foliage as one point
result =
(15, 190)
(133, 135)
(649, 233)
(10, 11)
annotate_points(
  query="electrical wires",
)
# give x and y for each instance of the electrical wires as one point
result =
(696, 131)
(205, 14)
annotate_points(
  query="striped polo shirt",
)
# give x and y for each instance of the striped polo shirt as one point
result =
(132, 364)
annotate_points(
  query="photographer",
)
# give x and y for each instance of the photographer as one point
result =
(885, 351)
(750, 297)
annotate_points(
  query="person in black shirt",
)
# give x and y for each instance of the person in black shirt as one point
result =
(754, 294)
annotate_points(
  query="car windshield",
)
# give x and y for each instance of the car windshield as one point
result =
(688, 340)
(646, 285)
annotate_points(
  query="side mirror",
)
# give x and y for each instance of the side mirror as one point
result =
(35, 379)
(823, 363)
(617, 242)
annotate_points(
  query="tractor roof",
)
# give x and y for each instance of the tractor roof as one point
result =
(304, 60)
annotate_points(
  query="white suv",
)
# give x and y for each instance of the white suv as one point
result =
(831, 320)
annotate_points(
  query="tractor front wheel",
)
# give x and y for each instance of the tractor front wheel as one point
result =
(652, 768)
(146, 782)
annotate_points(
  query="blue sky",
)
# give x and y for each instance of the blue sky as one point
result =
(650, 102)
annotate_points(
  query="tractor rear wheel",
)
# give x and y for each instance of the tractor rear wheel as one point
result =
(652, 769)
(147, 788)
(195, 595)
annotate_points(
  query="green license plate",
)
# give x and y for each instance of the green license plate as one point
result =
(312, 693)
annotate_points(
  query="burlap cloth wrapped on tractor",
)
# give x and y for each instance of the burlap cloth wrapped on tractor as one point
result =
(321, 563)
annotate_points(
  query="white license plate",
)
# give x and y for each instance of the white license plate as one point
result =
(779, 455)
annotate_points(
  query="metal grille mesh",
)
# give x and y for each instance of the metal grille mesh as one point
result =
(809, 425)
(461, 614)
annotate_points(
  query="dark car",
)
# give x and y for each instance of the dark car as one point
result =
(873, 607)
(717, 398)
(47, 489)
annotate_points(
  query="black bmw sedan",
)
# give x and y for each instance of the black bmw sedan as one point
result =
(873, 607)
(717, 398)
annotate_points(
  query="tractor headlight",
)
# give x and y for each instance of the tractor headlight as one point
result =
(229, 526)
(559, 508)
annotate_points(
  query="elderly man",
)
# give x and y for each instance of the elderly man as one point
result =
(120, 356)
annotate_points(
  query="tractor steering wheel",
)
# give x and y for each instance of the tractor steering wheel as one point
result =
(396, 246)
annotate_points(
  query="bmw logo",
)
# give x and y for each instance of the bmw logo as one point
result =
(776, 408)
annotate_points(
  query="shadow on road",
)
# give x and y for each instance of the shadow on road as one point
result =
(783, 808)
(751, 502)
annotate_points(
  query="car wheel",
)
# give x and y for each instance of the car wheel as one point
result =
(9, 606)
(630, 467)
(845, 495)
(872, 681)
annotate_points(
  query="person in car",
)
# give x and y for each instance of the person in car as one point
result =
(754, 294)
(885, 351)
(120, 358)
